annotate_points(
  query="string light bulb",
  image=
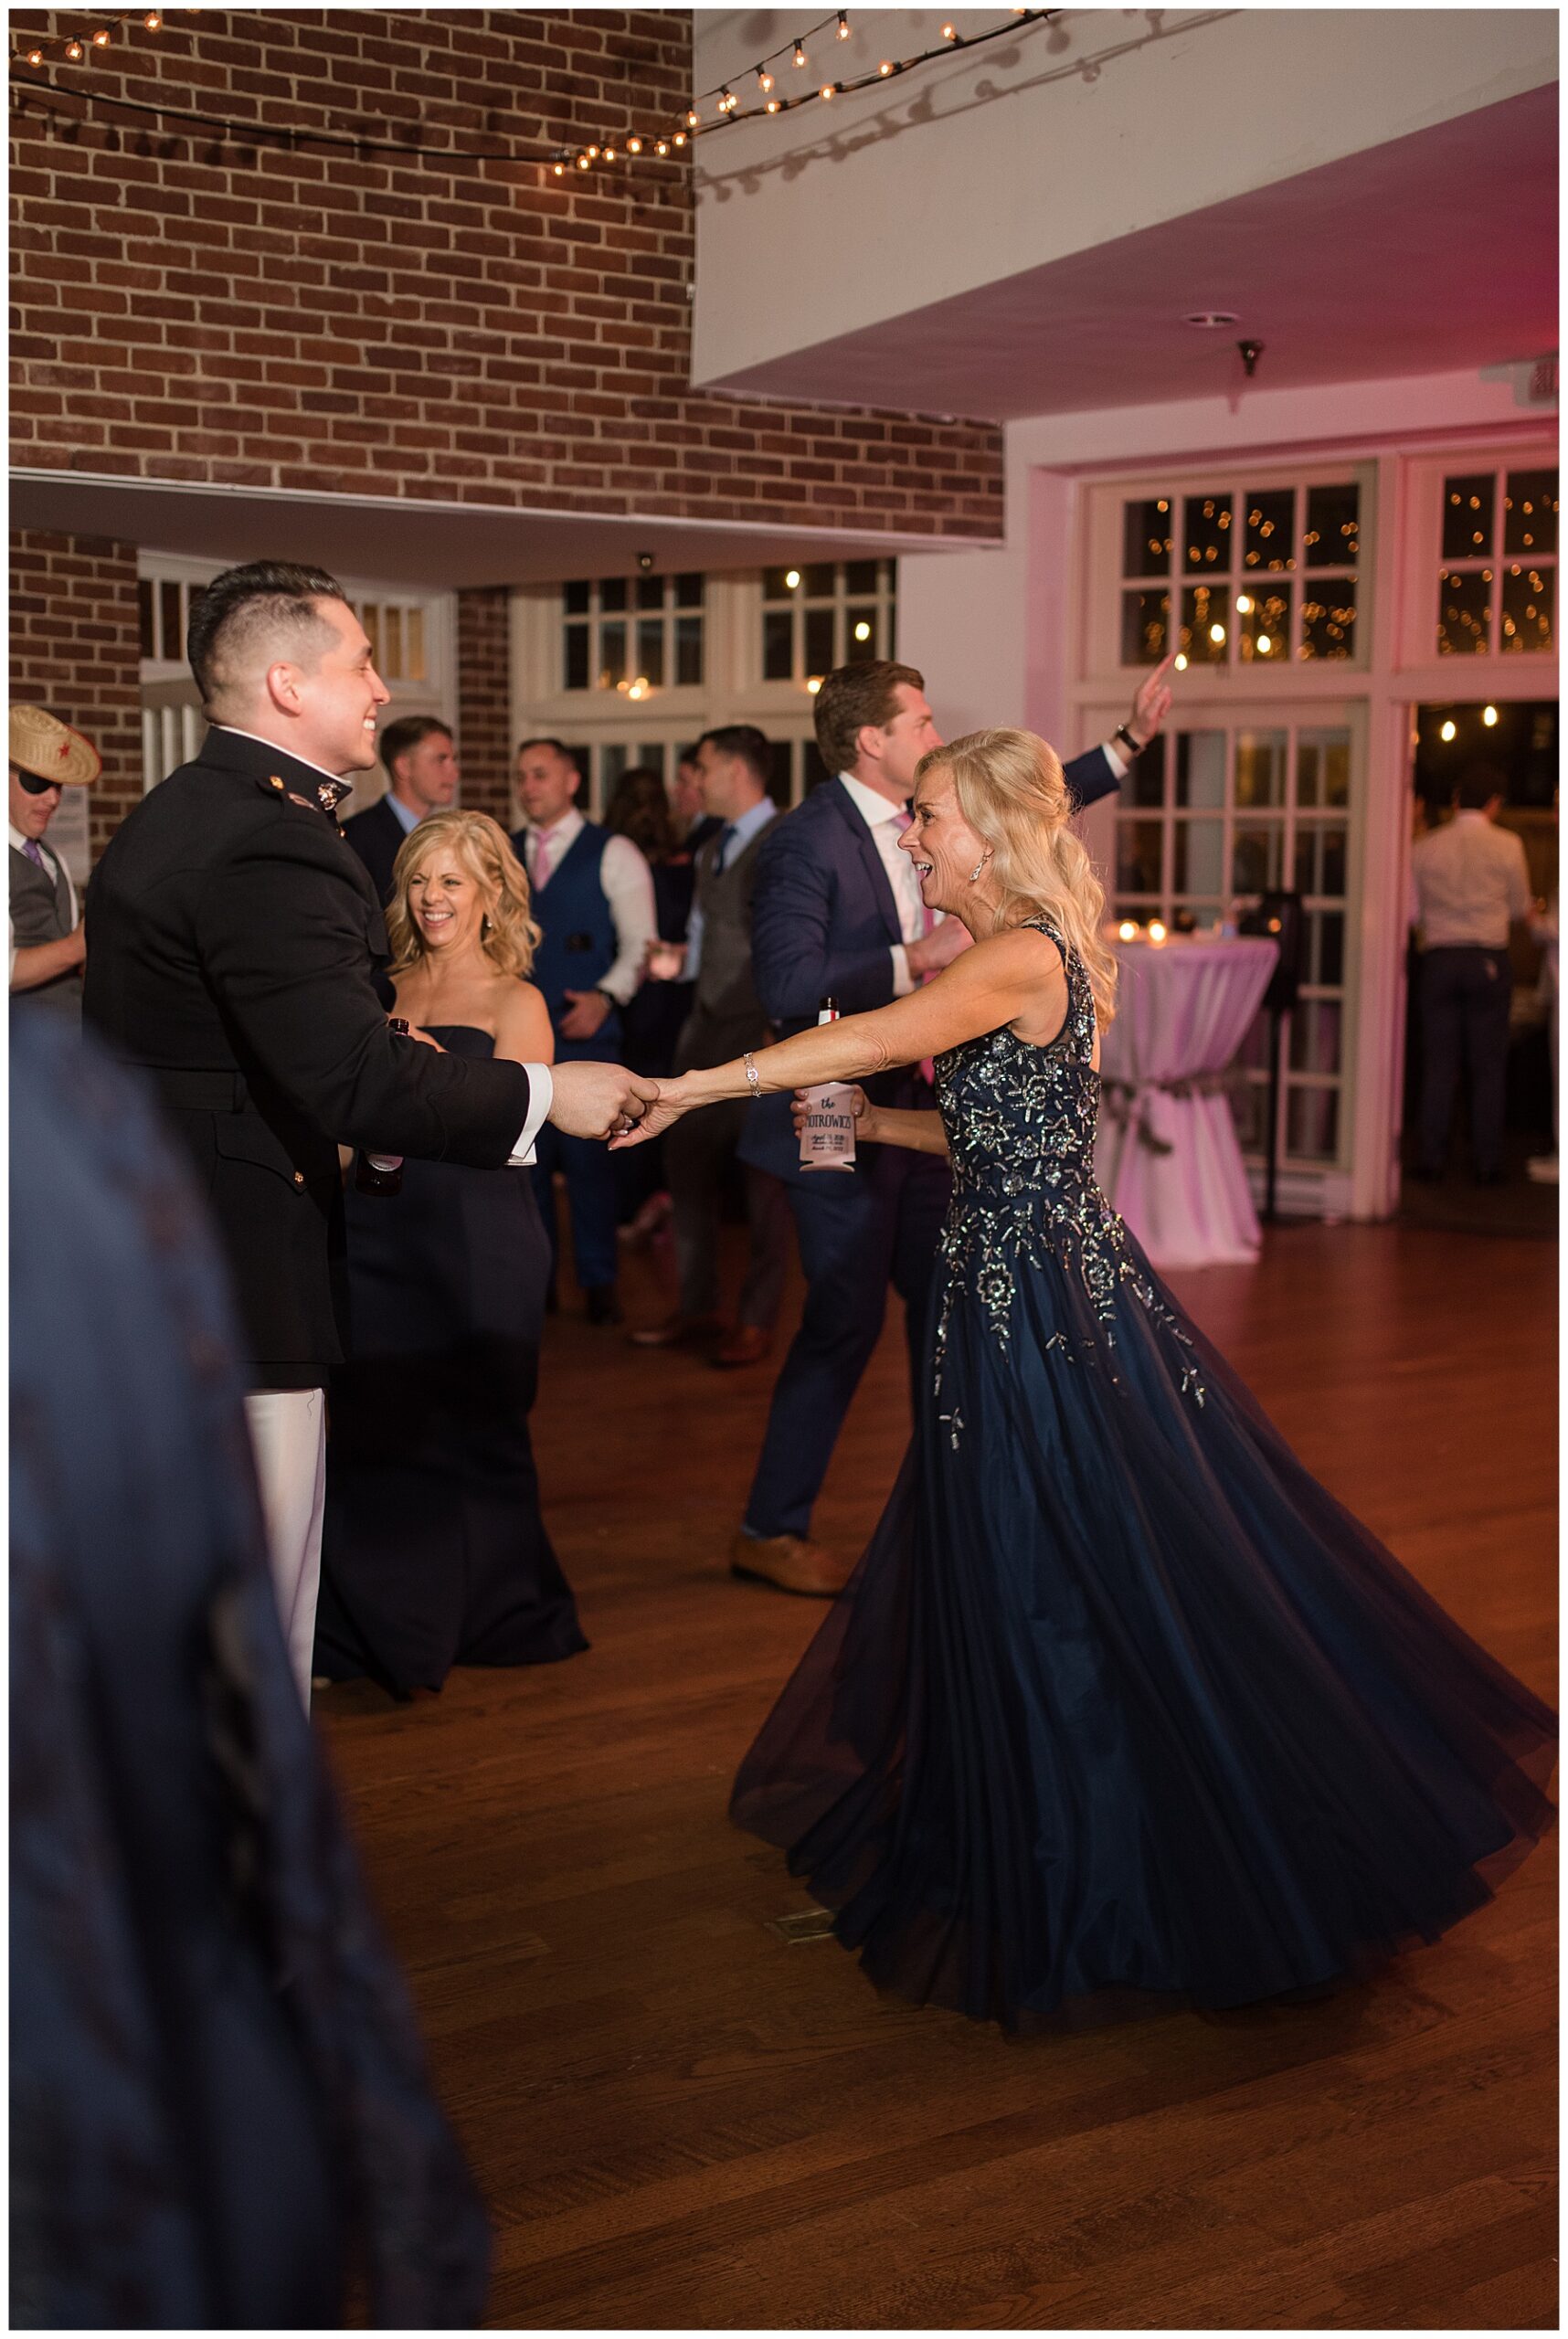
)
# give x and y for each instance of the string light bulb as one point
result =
(662, 146)
(726, 102)
(593, 154)
(1127, 931)
(1181, 662)
(885, 67)
(1450, 731)
(693, 119)
(791, 578)
(101, 40)
(680, 138)
(153, 21)
(560, 170)
(35, 57)
(610, 154)
(73, 50)
(1156, 929)
(764, 80)
(814, 684)
(582, 162)
(1264, 645)
(772, 106)
(800, 54)
(827, 89)
(1488, 717)
(843, 25)
(949, 32)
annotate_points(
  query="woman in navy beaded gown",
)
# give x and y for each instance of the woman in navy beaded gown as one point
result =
(1120, 1710)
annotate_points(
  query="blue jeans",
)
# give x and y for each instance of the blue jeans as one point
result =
(858, 1232)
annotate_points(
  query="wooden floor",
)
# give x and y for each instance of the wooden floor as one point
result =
(679, 2118)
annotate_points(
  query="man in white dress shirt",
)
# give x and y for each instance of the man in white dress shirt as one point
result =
(593, 897)
(1471, 883)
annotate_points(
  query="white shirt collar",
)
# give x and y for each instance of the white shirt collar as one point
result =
(21, 842)
(874, 809)
(561, 831)
(277, 749)
(405, 814)
(755, 817)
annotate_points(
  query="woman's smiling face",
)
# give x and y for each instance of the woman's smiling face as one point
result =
(944, 850)
(445, 901)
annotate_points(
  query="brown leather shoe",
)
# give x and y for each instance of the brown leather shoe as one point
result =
(747, 1344)
(788, 1563)
(677, 1332)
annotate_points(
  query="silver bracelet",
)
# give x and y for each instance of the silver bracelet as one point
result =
(753, 1077)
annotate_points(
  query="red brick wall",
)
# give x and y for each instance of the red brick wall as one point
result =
(76, 648)
(316, 320)
(484, 702)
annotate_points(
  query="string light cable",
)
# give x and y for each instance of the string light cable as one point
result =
(32, 55)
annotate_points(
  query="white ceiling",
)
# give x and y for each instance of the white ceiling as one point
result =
(1430, 253)
(439, 547)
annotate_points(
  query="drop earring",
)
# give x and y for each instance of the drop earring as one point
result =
(979, 869)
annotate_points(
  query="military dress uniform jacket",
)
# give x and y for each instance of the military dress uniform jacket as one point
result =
(232, 943)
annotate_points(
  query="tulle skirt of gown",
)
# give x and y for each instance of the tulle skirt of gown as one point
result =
(1120, 1708)
(435, 1552)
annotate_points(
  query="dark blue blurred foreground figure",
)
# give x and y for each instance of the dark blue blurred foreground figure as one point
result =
(219, 2111)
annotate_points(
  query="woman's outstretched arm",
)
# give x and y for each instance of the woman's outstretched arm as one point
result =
(1005, 977)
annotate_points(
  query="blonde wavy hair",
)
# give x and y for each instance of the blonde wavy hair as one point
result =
(1010, 790)
(508, 934)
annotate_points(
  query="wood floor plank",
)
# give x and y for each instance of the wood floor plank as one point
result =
(679, 2119)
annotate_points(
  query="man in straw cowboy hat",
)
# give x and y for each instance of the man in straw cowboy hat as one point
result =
(46, 945)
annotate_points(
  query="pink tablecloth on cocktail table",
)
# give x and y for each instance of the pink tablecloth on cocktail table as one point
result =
(1168, 1157)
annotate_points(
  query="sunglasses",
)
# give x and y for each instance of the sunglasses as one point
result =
(33, 785)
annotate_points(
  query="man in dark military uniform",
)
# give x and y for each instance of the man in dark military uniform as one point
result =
(47, 940)
(232, 941)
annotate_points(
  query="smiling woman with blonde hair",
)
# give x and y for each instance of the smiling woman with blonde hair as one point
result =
(435, 1553)
(1121, 1711)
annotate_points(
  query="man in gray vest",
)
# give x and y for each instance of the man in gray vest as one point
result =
(47, 950)
(733, 767)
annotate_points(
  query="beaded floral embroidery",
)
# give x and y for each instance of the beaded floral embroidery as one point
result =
(1021, 1123)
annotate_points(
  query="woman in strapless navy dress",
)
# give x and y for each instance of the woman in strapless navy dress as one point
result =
(1120, 1710)
(435, 1553)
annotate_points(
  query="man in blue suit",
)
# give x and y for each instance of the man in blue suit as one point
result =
(837, 914)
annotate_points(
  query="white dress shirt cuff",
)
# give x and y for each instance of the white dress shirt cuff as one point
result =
(1117, 762)
(903, 980)
(541, 1097)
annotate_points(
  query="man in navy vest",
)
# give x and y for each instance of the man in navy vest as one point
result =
(593, 896)
(836, 911)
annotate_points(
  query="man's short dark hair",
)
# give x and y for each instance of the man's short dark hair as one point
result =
(401, 737)
(746, 742)
(853, 696)
(1478, 786)
(274, 597)
(687, 755)
(560, 746)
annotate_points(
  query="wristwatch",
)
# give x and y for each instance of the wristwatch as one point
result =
(1133, 746)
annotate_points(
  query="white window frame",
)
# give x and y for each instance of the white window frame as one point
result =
(592, 720)
(1513, 673)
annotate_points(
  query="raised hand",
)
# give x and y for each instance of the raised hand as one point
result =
(1151, 703)
(598, 1099)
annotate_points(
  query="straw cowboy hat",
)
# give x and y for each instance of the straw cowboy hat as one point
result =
(50, 750)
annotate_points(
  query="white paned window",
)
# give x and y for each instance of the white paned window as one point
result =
(831, 613)
(1237, 575)
(1211, 818)
(634, 635)
(1496, 591)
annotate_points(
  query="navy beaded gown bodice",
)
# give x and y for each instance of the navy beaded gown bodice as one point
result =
(1120, 1708)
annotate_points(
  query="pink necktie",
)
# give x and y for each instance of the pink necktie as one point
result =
(927, 921)
(31, 850)
(541, 859)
